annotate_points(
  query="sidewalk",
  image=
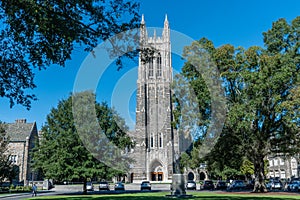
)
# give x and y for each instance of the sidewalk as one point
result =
(22, 194)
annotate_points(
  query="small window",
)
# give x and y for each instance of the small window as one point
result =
(13, 159)
(151, 141)
(151, 67)
(160, 142)
(158, 65)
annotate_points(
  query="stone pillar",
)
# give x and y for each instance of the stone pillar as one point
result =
(25, 163)
(178, 187)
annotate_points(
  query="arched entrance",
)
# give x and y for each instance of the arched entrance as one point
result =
(191, 176)
(202, 176)
(131, 177)
(156, 171)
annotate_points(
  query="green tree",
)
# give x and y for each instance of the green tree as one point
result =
(36, 34)
(63, 154)
(247, 168)
(5, 163)
(261, 86)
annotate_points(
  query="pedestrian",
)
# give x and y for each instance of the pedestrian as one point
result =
(34, 190)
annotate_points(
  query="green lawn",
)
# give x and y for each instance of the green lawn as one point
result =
(161, 196)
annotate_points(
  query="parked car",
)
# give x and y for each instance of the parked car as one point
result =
(191, 185)
(274, 185)
(145, 185)
(89, 186)
(119, 186)
(287, 186)
(295, 186)
(236, 185)
(208, 185)
(221, 185)
(103, 185)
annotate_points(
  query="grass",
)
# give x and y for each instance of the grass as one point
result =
(161, 196)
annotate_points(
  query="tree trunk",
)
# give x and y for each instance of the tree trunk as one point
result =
(259, 172)
(84, 186)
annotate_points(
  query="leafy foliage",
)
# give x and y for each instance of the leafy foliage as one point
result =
(261, 86)
(40, 33)
(6, 167)
(63, 155)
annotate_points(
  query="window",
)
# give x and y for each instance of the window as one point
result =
(158, 65)
(281, 161)
(282, 174)
(294, 163)
(160, 142)
(151, 142)
(271, 163)
(151, 67)
(275, 162)
(13, 159)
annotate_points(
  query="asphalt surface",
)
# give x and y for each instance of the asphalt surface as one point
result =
(77, 189)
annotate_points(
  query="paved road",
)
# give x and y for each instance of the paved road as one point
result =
(77, 189)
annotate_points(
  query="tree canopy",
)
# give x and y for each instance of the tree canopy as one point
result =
(6, 165)
(62, 153)
(36, 34)
(262, 90)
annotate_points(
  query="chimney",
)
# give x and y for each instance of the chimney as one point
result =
(20, 121)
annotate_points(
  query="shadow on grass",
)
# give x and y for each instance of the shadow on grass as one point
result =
(162, 197)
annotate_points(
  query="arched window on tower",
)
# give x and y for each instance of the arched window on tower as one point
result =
(158, 74)
(151, 67)
(151, 141)
(161, 140)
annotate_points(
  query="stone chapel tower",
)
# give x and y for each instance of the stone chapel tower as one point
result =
(153, 132)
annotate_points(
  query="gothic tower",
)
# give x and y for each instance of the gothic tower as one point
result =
(153, 132)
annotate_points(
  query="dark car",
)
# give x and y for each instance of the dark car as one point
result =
(145, 185)
(295, 186)
(103, 185)
(237, 185)
(208, 185)
(119, 186)
(191, 185)
(221, 185)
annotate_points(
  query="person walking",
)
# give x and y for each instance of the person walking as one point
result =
(34, 190)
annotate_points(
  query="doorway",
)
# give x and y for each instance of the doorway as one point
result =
(157, 176)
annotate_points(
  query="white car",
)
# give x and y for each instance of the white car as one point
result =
(89, 186)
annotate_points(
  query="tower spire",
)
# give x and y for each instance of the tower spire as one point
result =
(143, 20)
(143, 31)
(166, 31)
(166, 24)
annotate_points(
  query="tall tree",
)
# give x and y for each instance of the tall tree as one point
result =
(63, 153)
(261, 86)
(5, 163)
(36, 34)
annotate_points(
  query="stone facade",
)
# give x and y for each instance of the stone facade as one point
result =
(282, 167)
(22, 136)
(153, 153)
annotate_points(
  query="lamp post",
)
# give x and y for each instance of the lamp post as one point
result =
(178, 180)
(32, 177)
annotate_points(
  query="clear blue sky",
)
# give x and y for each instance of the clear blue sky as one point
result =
(240, 23)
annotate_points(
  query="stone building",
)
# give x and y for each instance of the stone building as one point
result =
(282, 167)
(153, 132)
(22, 136)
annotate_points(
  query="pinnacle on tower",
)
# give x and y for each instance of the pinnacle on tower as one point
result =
(166, 24)
(166, 31)
(143, 20)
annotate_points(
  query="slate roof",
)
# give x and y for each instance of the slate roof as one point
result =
(19, 131)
